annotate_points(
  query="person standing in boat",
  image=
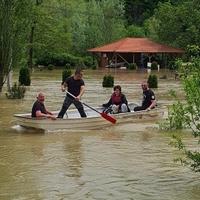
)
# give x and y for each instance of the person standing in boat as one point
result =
(39, 110)
(76, 86)
(117, 102)
(149, 101)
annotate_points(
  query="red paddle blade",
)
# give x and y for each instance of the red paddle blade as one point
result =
(108, 117)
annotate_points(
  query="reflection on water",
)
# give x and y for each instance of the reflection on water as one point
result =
(130, 161)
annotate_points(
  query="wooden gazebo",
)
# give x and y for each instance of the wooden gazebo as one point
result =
(132, 50)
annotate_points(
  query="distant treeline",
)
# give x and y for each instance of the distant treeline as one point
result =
(30, 28)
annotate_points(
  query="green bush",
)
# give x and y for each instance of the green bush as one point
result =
(45, 59)
(108, 81)
(154, 65)
(153, 81)
(50, 67)
(67, 66)
(178, 64)
(58, 59)
(192, 51)
(132, 66)
(65, 74)
(94, 67)
(172, 65)
(88, 61)
(24, 76)
(16, 92)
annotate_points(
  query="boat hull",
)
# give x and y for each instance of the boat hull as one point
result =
(74, 122)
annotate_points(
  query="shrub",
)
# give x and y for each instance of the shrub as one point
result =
(68, 66)
(73, 60)
(172, 65)
(44, 59)
(132, 66)
(88, 61)
(50, 67)
(192, 51)
(154, 65)
(16, 92)
(108, 81)
(177, 64)
(58, 59)
(94, 67)
(153, 81)
(24, 76)
(65, 74)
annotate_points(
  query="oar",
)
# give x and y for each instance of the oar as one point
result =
(103, 114)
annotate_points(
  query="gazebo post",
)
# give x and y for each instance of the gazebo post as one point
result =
(133, 58)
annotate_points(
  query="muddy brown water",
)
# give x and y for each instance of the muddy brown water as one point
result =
(129, 161)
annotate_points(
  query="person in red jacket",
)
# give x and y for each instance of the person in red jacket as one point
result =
(117, 102)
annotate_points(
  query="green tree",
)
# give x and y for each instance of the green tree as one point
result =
(52, 32)
(186, 114)
(24, 76)
(72, 27)
(135, 31)
(33, 23)
(192, 51)
(177, 25)
(96, 23)
(136, 11)
(12, 42)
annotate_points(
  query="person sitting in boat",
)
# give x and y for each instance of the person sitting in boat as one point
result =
(117, 103)
(39, 110)
(75, 86)
(149, 101)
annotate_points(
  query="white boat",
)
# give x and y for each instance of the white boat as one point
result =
(73, 121)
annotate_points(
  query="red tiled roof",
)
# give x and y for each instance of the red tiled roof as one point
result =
(136, 45)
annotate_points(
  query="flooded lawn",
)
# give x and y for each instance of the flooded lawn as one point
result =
(129, 161)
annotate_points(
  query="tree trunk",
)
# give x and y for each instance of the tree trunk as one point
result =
(31, 37)
(1, 79)
(9, 80)
(30, 51)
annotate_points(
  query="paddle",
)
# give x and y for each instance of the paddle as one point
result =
(104, 115)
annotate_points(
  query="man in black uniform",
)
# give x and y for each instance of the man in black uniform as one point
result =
(149, 101)
(39, 110)
(76, 86)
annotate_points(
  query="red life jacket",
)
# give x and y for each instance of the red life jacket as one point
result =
(116, 99)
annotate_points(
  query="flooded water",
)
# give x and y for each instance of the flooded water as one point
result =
(129, 161)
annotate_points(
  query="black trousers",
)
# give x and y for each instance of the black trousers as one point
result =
(66, 104)
(138, 108)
